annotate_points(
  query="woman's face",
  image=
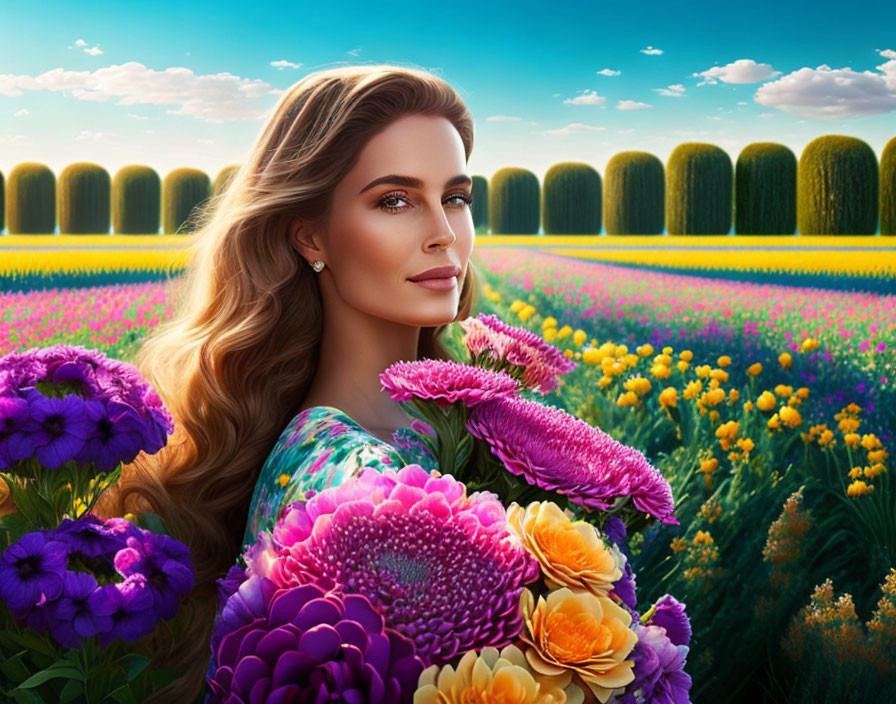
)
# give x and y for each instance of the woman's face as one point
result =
(383, 231)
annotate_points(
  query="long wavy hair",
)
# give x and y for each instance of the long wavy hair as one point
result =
(234, 363)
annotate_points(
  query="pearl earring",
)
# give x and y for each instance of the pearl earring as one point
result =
(318, 265)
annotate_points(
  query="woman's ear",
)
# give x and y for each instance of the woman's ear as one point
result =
(305, 240)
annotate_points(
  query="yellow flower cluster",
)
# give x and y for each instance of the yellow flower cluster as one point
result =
(821, 433)
(490, 293)
(784, 544)
(830, 626)
(701, 560)
(711, 510)
(708, 467)
(809, 344)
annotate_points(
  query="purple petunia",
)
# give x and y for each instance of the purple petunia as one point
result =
(669, 613)
(659, 670)
(32, 566)
(307, 644)
(42, 590)
(557, 451)
(67, 403)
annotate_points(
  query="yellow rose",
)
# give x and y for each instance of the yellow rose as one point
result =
(578, 632)
(570, 553)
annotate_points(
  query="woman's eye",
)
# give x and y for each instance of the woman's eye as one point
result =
(392, 197)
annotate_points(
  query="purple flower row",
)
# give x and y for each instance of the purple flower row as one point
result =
(42, 585)
(65, 403)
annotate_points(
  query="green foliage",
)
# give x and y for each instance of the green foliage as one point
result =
(31, 199)
(82, 199)
(888, 189)
(633, 196)
(480, 204)
(698, 190)
(513, 202)
(765, 190)
(184, 192)
(837, 184)
(136, 199)
(571, 200)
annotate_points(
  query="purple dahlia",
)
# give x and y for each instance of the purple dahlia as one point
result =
(305, 644)
(441, 567)
(557, 451)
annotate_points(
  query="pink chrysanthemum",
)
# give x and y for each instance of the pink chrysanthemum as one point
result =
(440, 566)
(559, 452)
(542, 362)
(445, 382)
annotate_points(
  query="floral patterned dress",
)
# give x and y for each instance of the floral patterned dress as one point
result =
(322, 447)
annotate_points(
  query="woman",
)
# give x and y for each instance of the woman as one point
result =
(298, 295)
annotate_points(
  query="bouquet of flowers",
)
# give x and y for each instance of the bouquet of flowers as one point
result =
(80, 595)
(503, 576)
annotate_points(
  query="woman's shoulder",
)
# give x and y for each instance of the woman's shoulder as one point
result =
(320, 447)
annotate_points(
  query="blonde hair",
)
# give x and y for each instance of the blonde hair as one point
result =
(235, 362)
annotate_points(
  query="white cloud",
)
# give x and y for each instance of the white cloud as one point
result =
(354, 52)
(674, 91)
(219, 97)
(134, 116)
(740, 71)
(91, 136)
(824, 93)
(631, 105)
(80, 42)
(94, 51)
(20, 113)
(14, 140)
(651, 50)
(589, 97)
(576, 128)
(608, 72)
(502, 118)
(283, 63)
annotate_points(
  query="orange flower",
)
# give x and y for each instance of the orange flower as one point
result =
(489, 678)
(575, 632)
(571, 553)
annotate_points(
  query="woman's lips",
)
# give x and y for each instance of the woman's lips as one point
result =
(443, 284)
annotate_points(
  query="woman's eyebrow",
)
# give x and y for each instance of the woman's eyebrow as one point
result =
(413, 181)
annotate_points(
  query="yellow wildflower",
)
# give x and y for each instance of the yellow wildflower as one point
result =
(565, 331)
(748, 406)
(703, 370)
(724, 360)
(645, 350)
(784, 390)
(604, 381)
(809, 344)
(790, 416)
(714, 416)
(803, 392)
(733, 396)
(682, 366)
(669, 396)
(766, 401)
(852, 439)
(859, 488)
(755, 369)
(692, 389)
(667, 350)
(719, 374)
(870, 441)
(283, 479)
(678, 544)
(774, 423)
(874, 470)
(785, 360)
(579, 337)
(877, 456)
(855, 473)
(517, 305)
(638, 384)
(703, 537)
(549, 322)
(629, 398)
(550, 334)
(686, 355)
(661, 371)
(621, 350)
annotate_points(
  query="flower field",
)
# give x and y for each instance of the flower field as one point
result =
(769, 409)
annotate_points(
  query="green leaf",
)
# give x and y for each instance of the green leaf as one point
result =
(133, 664)
(152, 522)
(26, 696)
(15, 669)
(62, 670)
(73, 690)
(122, 695)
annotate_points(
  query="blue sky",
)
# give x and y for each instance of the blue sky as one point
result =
(190, 84)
